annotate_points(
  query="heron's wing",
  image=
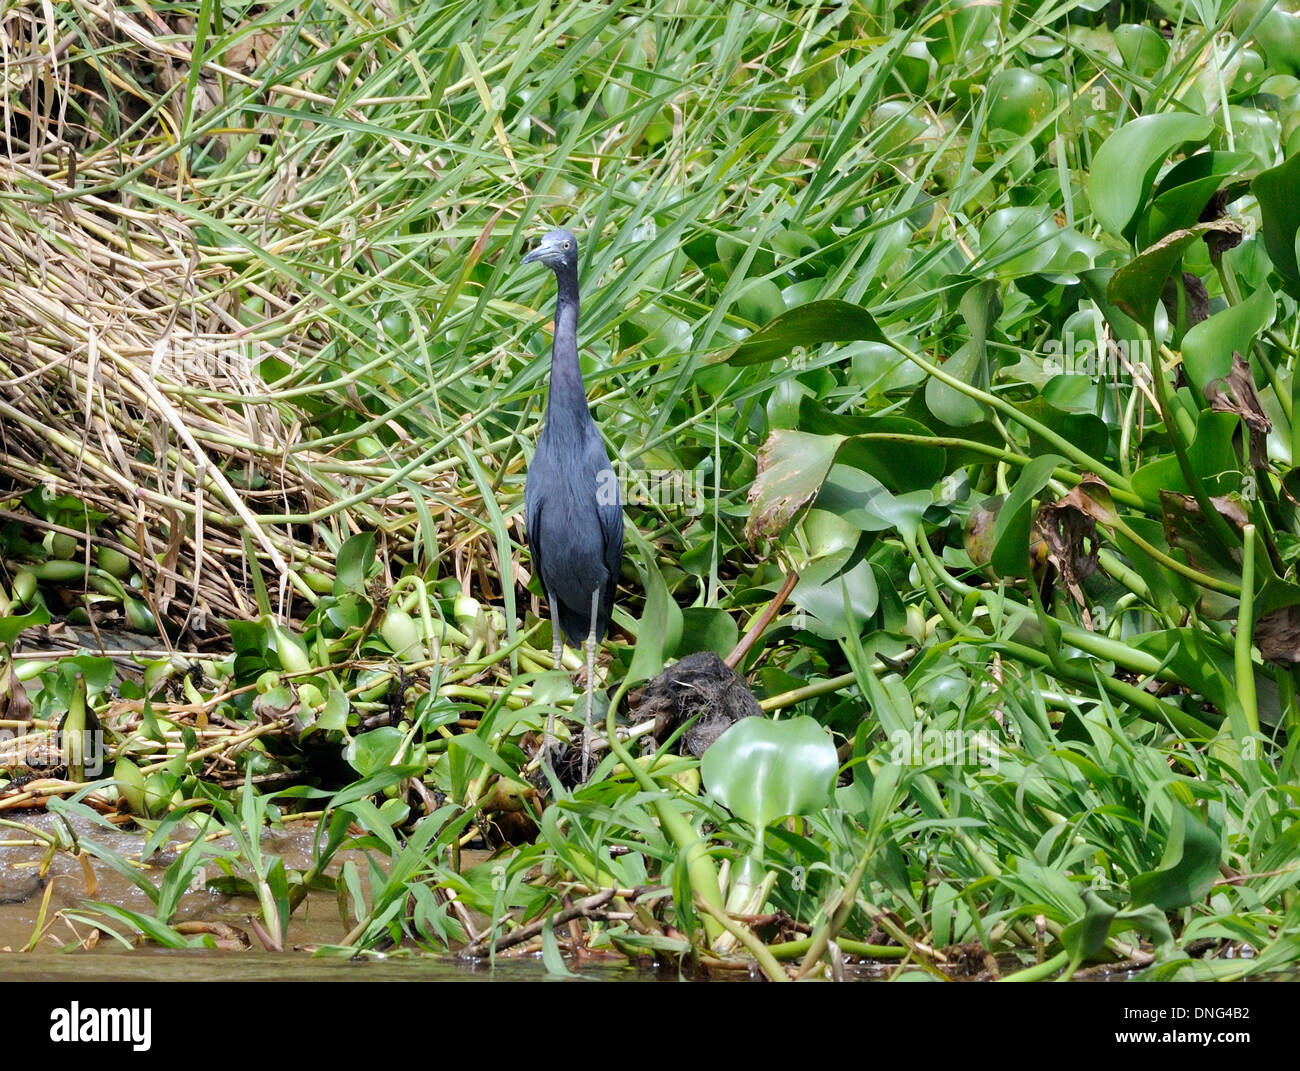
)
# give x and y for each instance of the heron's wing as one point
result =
(533, 530)
(611, 527)
(609, 510)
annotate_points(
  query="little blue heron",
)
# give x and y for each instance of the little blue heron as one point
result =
(573, 512)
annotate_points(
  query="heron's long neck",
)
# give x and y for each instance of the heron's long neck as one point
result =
(568, 399)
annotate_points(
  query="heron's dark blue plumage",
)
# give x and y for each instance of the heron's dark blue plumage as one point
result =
(572, 507)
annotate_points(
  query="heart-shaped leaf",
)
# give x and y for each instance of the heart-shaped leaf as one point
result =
(1125, 166)
(11, 627)
(1275, 189)
(371, 752)
(763, 770)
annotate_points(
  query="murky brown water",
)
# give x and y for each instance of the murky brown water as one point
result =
(316, 922)
(157, 965)
(71, 885)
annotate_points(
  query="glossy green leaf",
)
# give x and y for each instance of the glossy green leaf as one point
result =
(707, 628)
(334, 715)
(762, 770)
(1085, 430)
(969, 364)
(1125, 165)
(12, 626)
(840, 599)
(1011, 533)
(876, 367)
(1018, 100)
(660, 629)
(1208, 346)
(354, 562)
(865, 503)
(87, 674)
(371, 752)
(1279, 207)
(130, 783)
(808, 325)
(1186, 190)
(898, 451)
(980, 306)
(1019, 241)
(1211, 455)
(1141, 47)
(1188, 868)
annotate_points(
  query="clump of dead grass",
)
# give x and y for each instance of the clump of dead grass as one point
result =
(128, 377)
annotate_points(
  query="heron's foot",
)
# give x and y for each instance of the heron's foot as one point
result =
(549, 751)
(573, 760)
(580, 675)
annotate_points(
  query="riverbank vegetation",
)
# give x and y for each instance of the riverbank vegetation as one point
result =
(951, 345)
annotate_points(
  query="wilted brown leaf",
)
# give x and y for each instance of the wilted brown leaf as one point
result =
(1091, 496)
(1219, 242)
(1277, 635)
(1195, 294)
(1182, 515)
(251, 51)
(792, 465)
(1070, 532)
(1235, 393)
(14, 702)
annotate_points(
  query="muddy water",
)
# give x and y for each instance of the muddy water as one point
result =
(156, 965)
(57, 956)
(19, 885)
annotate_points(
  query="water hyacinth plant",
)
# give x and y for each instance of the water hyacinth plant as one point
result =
(980, 319)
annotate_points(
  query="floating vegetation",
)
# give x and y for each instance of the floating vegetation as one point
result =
(947, 356)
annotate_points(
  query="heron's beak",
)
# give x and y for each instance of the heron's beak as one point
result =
(540, 253)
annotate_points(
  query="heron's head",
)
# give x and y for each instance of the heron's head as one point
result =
(556, 250)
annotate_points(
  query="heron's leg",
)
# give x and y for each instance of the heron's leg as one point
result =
(557, 651)
(557, 637)
(591, 685)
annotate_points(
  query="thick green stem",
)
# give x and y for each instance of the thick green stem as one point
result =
(694, 855)
(1181, 430)
(1243, 663)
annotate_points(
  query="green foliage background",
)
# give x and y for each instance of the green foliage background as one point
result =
(854, 268)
